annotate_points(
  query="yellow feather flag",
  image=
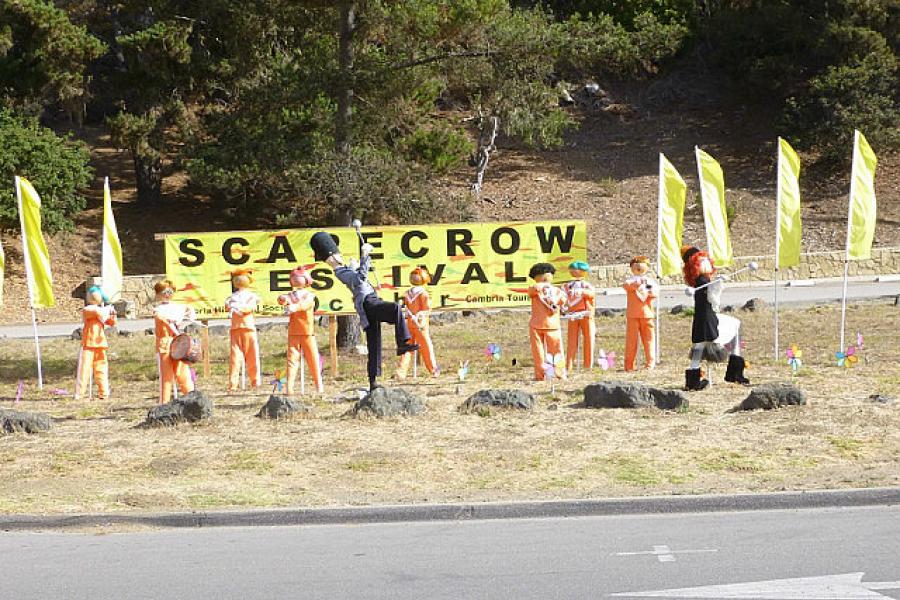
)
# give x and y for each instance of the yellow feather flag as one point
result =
(37, 259)
(2, 270)
(111, 262)
(672, 193)
(788, 228)
(863, 210)
(712, 193)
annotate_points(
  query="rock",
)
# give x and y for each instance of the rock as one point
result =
(279, 407)
(271, 325)
(191, 407)
(474, 313)
(149, 331)
(605, 312)
(623, 394)
(389, 402)
(221, 329)
(771, 395)
(125, 333)
(192, 328)
(76, 334)
(728, 309)
(882, 399)
(677, 309)
(501, 398)
(111, 331)
(444, 317)
(754, 304)
(18, 421)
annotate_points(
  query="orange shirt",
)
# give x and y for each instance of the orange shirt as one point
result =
(96, 319)
(418, 301)
(241, 304)
(166, 318)
(640, 299)
(579, 296)
(544, 296)
(302, 310)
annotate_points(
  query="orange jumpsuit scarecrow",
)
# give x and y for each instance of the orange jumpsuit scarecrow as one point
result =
(244, 342)
(300, 306)
(94, 345)
(580, 296)
(547, 302)
(639, 315)
(168, 318)
(417, 309)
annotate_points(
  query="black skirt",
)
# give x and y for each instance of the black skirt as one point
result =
(705, 327)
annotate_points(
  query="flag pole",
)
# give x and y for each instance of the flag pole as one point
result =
(847, 250)
(777, 237)
(28, 277)
(658, 256)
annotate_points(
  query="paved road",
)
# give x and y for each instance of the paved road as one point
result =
(839, 553)
(806, 292)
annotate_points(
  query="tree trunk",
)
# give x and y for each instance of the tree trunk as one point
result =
(348, 326)
(148, 175)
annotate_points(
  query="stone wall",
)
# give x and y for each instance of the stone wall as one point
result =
(138, 289)
(813, 265)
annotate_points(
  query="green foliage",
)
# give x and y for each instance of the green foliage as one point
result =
(828, 71)
(57, 166)
(441, 147)
(43, 56)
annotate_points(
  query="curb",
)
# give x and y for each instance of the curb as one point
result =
(468, 511)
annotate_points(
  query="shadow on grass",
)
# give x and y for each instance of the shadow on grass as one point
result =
(12, 370)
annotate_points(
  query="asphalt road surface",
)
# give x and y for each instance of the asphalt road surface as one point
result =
(827, 554)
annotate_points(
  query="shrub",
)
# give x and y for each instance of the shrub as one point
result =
(440, 148)
(57, 166)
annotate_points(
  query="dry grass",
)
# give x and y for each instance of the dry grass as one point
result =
(95, 459)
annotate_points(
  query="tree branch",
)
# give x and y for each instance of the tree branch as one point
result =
(447, 56)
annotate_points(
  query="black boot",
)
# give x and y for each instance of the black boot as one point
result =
(735, 371)
(692, 380)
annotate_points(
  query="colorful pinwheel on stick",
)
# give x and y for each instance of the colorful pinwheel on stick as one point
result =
(280, 381)
(794, 356)
(847, 359)
(606, 361)
(554, 365)
(492, 351)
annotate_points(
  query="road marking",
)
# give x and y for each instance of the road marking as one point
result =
(847, 586)
(801, 283)
(664, 553)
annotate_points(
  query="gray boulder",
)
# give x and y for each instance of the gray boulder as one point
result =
(516, 399)
(76, 334)
(279, 407)
(18, 421)
(677, 309)
(771, 395)
(389, 402)
(623, 394)
(754, 304)
(882, 399)
(191, 407)
(444, 317)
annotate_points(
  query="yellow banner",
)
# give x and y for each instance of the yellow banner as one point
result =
(715, 217)
(863, 206)
(672, 193)
(788, 193)
(473, 265)
(37, 258)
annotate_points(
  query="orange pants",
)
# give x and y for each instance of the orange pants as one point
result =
(643, 328)
(541, 338)
(584, 327)
(244, 350)
(309, 347)
(422, 337)
(92, 360)
(172, 372)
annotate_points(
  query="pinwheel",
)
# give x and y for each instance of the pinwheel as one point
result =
(492, 351)
(279, 382)
(554, 365)
(847, 359)
(794, 356)
(606, 360)
(463, 370)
